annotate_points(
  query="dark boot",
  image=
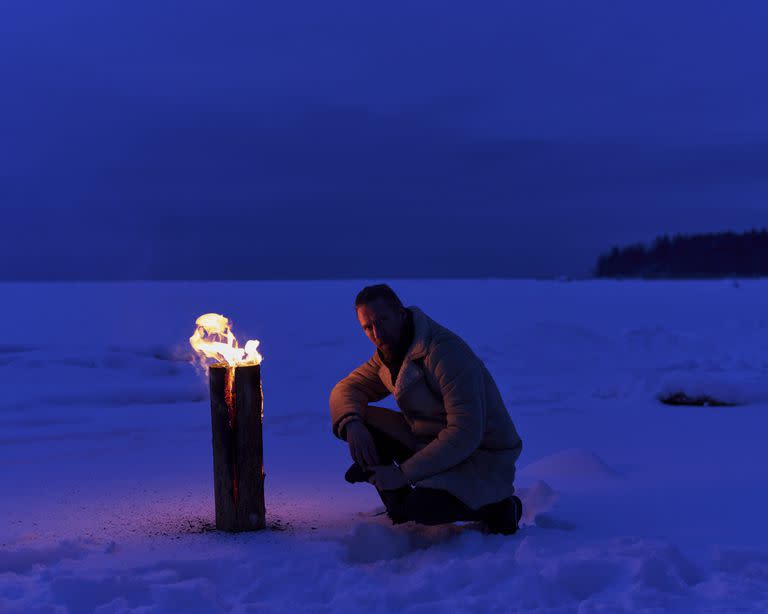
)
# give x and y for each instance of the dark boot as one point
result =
(396, 502)
(357, 474)
(503, 516)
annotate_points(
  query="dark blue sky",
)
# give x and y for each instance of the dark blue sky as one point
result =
(324, 139)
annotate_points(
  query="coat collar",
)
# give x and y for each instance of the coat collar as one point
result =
(422, 335)
(409, 372)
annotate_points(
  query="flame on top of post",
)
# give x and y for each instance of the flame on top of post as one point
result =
(213, 339)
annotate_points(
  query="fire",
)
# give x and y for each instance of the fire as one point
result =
(213, 339)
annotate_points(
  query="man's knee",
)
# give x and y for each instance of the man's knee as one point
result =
(388, 422)
(371, 417)
(380, 416)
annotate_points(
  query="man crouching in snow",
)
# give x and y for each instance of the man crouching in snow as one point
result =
(449, 454)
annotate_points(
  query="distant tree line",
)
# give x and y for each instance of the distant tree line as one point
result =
(688, 256)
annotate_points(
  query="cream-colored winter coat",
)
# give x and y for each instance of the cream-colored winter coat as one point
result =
(468, 444)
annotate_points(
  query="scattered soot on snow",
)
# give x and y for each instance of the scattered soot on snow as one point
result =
(177, 528)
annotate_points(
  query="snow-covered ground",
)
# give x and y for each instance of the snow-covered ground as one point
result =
(631, 505)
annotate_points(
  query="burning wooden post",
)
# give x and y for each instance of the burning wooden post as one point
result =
(236, 424)
(238, 449)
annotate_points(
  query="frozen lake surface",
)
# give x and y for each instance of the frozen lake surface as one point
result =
(631, 505)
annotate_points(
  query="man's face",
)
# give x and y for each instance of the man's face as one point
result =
(382, 323)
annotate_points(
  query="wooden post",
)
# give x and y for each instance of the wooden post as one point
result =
(238, 450)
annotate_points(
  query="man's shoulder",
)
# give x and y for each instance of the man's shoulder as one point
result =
(374, 361)
(364, 374)
(444, 341)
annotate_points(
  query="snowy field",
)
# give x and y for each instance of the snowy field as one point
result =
(631, 505)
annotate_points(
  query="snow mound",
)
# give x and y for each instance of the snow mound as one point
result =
(572, 467)
(537, 499)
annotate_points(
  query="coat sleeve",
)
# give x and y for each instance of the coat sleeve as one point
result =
(460, 377)
(353, 393)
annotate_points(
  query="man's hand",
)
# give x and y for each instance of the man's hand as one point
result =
(361, 445)
(387, 477)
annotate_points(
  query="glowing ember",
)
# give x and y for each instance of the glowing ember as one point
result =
(213, 339)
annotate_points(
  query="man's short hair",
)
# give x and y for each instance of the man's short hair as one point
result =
(371, 293)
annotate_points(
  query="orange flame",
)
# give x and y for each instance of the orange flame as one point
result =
(213, 339)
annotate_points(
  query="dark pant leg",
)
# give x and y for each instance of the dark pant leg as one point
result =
(429, 506)
(391, 436)
(389, 448)
(432, 506)
(391, 430)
